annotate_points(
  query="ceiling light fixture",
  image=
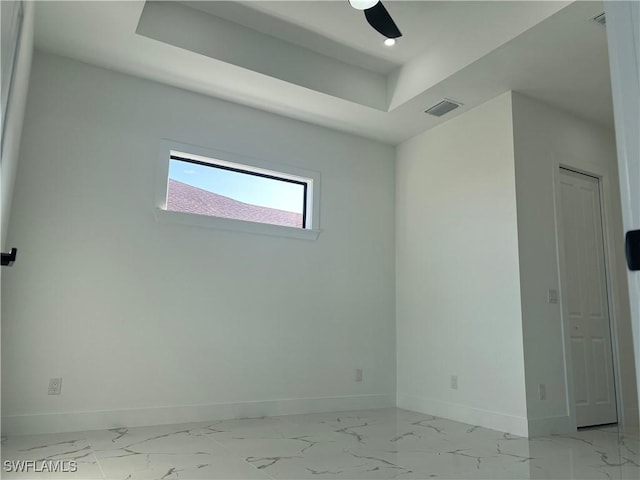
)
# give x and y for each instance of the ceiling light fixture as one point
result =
(362, 4)
(378, 17)
(390, 42)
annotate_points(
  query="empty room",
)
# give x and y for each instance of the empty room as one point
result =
(320, 239)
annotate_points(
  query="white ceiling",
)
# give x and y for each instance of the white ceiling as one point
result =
(425, 24)
(319, 61)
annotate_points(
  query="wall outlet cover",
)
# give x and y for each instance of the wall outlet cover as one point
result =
(55, 386)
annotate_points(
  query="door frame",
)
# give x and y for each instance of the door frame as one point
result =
(623, 39)
(604, 189)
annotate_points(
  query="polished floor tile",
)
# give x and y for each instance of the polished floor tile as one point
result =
(367, 444)
(63, 447)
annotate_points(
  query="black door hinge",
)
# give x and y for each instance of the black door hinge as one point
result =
(632, 248)
(9, 258)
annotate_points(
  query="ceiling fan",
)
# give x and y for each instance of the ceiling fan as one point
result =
(378, 17)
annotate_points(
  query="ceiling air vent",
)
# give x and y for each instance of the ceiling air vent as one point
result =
(601, 18)
(442, 108)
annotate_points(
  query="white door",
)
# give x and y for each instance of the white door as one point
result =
(623, 36)
(586, 299)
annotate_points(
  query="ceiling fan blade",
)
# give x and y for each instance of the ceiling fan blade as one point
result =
(379, 18)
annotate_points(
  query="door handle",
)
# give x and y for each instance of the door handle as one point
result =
(632, 249)
(9, 258)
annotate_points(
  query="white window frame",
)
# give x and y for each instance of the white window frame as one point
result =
(218, 157)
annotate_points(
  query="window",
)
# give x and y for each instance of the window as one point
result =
(222, 190)
(236, 191)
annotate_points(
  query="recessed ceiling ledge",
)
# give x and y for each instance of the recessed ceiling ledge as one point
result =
(217, 38)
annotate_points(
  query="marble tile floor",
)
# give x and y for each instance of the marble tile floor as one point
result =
(385, 443)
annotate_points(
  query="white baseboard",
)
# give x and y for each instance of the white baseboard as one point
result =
(463, 413)
(541, 427)
(100, 420)
(631, 421)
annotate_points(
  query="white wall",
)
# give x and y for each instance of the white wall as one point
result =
(544, 139)
(458, 291)
(472, 281)
(15, 115)
(158, 323)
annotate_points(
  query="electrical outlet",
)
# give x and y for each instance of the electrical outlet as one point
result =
(454, 382)
(55, 386)
(542, 390)
(553, 296)
(358, 374)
